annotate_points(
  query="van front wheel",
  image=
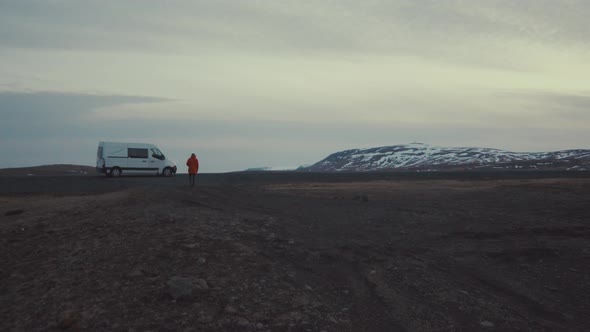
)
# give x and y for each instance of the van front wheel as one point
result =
(167, 172)
(115, 172)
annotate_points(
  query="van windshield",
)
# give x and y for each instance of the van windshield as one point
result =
(157, 154)
(99, 153)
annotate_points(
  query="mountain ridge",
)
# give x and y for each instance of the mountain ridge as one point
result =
(424, 157)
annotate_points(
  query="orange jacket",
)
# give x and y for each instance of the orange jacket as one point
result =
(193, 165)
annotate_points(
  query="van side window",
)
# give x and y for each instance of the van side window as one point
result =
(137, 153)
(157, 154)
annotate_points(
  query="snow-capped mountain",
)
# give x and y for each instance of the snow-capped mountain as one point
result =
(423, 157)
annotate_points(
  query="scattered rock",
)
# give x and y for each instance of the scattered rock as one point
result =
(362, 198)
(300, 301)
(135, 274)
(486, 323)
(167, 219)
(230, 309)
(13, 212)
(241, 321)
(202, 284)
(68, 320)
(205, 317)
(291, 316)
(316, 304)
(67, 323)
(259, 326)
(201, 260)
(190, 245)
(180, 288)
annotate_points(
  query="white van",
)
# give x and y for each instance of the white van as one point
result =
(114, 159)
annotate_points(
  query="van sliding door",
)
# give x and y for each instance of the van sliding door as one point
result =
(138, 161)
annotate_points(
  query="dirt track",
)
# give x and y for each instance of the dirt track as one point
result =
(295, 255)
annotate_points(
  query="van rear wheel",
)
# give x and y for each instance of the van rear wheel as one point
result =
(167, 172)
(115, 172)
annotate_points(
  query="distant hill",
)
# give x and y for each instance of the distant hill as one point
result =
(271, 168)
(48, 170)
(423, 157)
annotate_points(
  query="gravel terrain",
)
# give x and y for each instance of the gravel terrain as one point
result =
(303, 252)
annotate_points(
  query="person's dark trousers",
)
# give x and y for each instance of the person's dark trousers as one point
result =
(191, 179)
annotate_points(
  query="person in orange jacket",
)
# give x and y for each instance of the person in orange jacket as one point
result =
(193, 169)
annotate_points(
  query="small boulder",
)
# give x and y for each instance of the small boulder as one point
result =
(300, 301)
(135, 274)
(241, 321)
(230, 309)
(69, 320)
(202, 284)
(180, 287)
(362, 198)
(205, 317)
(13, 212)
(486, 323)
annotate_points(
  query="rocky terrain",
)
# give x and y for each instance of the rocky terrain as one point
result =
(49, 170)
(259, 253)
(423, 157)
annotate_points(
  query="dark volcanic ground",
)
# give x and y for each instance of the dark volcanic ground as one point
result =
(295, 252)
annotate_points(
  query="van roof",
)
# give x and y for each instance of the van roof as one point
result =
(106, 142)
(124, 143)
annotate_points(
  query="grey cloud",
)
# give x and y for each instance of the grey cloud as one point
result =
(50, 114)
(371, 26)
(570, 107)
(115, 25)
(570, 101)
(488, 34)
(66, 102)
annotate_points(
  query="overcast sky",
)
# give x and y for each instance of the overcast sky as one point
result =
(284, 83)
